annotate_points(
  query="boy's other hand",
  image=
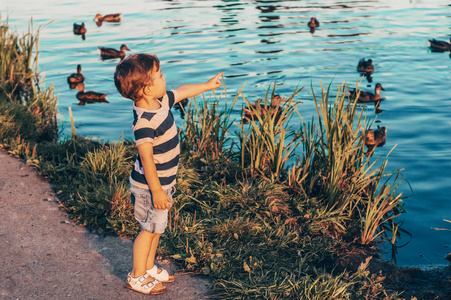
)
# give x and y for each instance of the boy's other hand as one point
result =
(214, 82)
(161, 200)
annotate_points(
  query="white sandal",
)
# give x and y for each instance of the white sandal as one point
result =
(149, 288)
(163, 276)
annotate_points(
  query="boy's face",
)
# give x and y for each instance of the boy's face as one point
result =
(158, 83)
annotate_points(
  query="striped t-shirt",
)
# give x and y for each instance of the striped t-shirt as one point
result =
(157, 127)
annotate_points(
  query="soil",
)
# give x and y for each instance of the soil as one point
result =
(47, 256)
(410, 282)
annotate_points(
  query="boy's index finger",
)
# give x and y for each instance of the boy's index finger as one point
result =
(219, 75)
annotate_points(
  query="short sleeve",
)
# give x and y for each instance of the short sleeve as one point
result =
(169, 98)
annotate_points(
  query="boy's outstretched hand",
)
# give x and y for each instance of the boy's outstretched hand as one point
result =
(214, 82)
(191, 90)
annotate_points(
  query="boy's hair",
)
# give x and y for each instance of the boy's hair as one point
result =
(134, 73)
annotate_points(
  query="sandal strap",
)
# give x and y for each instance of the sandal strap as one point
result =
(137, 283)
(151, 285)
(142, 278)
(139, 279)
(163, 275)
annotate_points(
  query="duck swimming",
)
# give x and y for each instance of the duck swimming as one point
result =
(313, 22)
(181, 106)
(440, 46)
(366, 97)
(108, 18)
(259, 109)
(375, 138)
(80, 29)
(89, 96)
(365, 66)
(76, 77)
(107, 53)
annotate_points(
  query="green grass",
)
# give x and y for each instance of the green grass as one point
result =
(260, 220)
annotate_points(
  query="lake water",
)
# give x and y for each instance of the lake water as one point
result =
(262, 42)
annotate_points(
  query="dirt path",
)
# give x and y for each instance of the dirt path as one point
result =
(45, 256)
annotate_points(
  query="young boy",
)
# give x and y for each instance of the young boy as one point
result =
(153, 177)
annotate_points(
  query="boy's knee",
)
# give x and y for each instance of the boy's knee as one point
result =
(152, 234)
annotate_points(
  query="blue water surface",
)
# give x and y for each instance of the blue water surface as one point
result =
(262, 42)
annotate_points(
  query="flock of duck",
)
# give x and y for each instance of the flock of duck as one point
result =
(374, 138)
(76, 80)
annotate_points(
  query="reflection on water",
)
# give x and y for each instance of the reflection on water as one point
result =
(262, 42)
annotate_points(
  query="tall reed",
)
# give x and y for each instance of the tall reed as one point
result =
(23, 96)
(206, 129)
(339, 153)
(19, 62)
(334, 168)
(268, 143)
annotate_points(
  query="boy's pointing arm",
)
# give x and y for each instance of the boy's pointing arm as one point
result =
(191, 90)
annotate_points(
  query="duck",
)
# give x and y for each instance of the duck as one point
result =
(366, 97)
(89, 96)
(73, 85)
(107, 53)
(182, 103)
(259, 109)
(313, 22)
(375, 138)
(76, 77)
(181, 106)
(365, 66)
(108, 18)
(440, 46)
(79, 28)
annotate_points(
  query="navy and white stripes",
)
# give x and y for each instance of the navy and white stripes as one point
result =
(157, 127)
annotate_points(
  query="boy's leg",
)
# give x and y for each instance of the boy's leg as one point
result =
(160, 219)
(135, 279)
(153, 251)
(159, 273)
(142, 248)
